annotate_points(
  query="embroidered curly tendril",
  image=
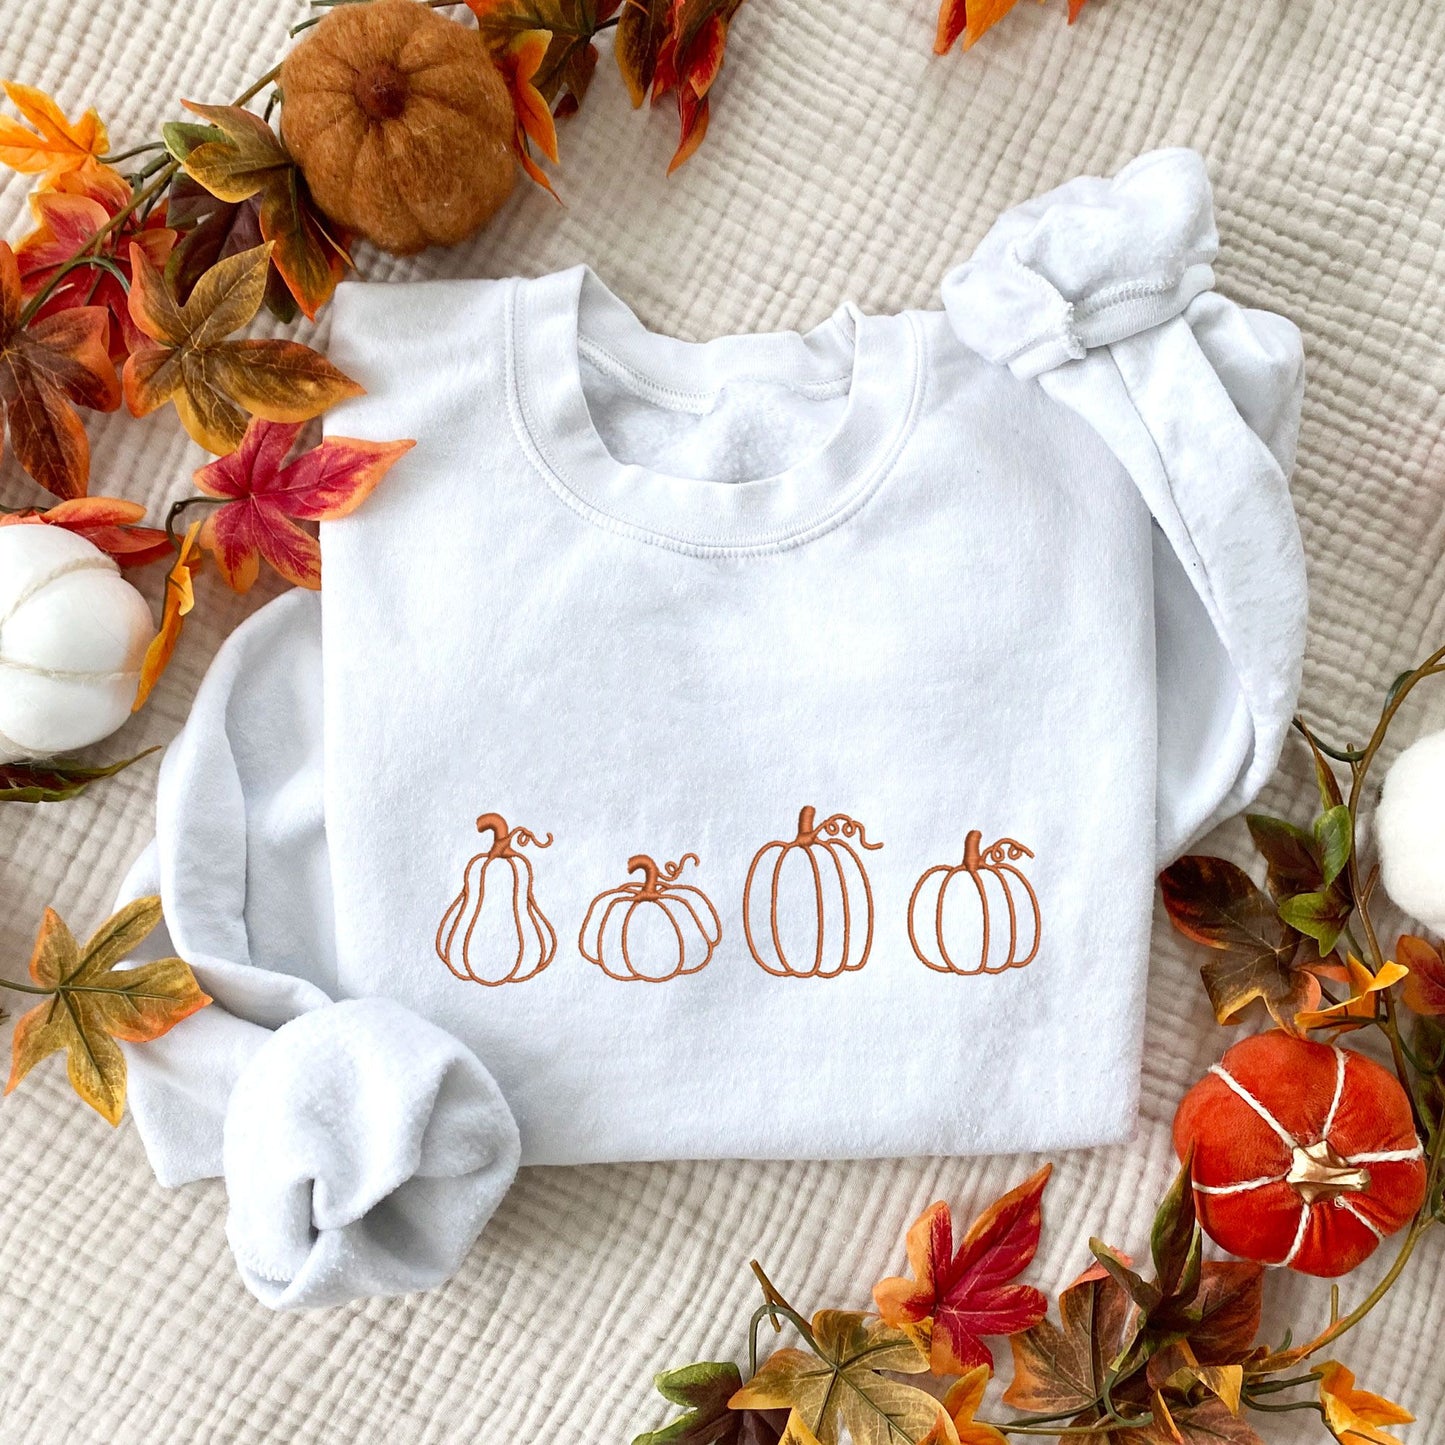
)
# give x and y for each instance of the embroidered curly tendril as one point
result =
(840, 825)
(1005, 850)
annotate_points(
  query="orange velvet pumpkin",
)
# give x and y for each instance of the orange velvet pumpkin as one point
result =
(807, 903)
(1305, 1154)
(400, 122)
(980, 915)
(493, 931)
(652, 930)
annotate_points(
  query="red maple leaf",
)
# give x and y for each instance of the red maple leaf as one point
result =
(956, 1298)
(68, 219)
(265, 497)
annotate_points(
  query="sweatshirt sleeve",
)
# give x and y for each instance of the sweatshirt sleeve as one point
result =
(363, 1148)
(1102, 291)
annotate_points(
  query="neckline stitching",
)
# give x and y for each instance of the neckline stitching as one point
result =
(532, 441)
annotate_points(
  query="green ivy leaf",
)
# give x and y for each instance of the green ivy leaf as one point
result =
(704, 1390)
(1335, 835)
(1321, 916)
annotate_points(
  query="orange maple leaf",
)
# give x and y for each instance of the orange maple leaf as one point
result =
(56, 145)
(519, 60)
(109, 523)
(972, 21)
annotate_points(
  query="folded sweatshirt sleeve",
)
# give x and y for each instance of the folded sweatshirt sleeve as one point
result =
(363, 1148)
(1102, 291)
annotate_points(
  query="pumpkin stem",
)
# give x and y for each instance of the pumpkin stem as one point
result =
(496, 825)
(972, 854)
(641, 863)
(1318, 1172)
(807, 831)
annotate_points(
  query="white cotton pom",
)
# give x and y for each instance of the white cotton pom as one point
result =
(73, 633)
(1410, 829)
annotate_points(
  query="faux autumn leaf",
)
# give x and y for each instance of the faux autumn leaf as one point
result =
(47, 369)
(1424, 990)
(1359, 1008)
(109, 523)
(703, 1390)
(973, 18)
(688, 62)
(238, 157)
(68, 219)
(1207, 1423)
(55, 146)
(213, 381)
(1215, 903)
(570, 58)
(180, 599)
(266, 496)
(55, 780)
(840, 1388)
(961, 1402)
(1353, 1415)
(956, 1298)
(519, 59)
(1058, 1371)
(95, 1003)
(642, 28)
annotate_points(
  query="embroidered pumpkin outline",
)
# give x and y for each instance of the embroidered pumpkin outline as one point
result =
(828, 851)
(536, 938)
(687, 908)
(997, 860)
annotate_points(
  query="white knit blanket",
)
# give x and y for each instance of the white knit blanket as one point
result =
(844, 162)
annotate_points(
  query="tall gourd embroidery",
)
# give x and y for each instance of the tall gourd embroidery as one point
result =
(979, 915)
(807, 903)
(652, 930)
(493, 931)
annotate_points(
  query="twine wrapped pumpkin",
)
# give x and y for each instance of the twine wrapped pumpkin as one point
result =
(401, 124)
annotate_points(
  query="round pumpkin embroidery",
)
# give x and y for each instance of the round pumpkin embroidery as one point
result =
(652, 930)
(1304, 1154)
(497, 936)
(807, 903)
(979, 915)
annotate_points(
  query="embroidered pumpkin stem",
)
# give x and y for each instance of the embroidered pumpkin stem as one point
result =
(505, 840)
(641, 863)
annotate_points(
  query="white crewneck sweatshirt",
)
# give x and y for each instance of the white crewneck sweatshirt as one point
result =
(762, 747)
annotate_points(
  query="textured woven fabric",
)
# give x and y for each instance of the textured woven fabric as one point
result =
(843, 162)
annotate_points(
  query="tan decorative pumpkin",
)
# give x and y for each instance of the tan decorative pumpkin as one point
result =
(652, 930)
(401, 124)
(493, 932)
(807, 904)
(980, 915)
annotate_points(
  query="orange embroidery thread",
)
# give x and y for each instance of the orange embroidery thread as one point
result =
(536, 938)
(825, 849)
(996, 863)
(689, 910)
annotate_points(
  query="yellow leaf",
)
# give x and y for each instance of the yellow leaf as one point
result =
(56, 145)
(964, 1397)
(839, 1386)
(93, 1003)
(180, 599)
(216, 384)
(1352, 1414)
(1359, 1009)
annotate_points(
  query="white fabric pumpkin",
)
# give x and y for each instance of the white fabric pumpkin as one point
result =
(1410, 829)
(73, 633)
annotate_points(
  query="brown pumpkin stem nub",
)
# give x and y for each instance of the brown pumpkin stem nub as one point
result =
(496, 825)
(1318, 1172)
(382, 91)
(807, 828)
(641, 863)
(972, 853)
